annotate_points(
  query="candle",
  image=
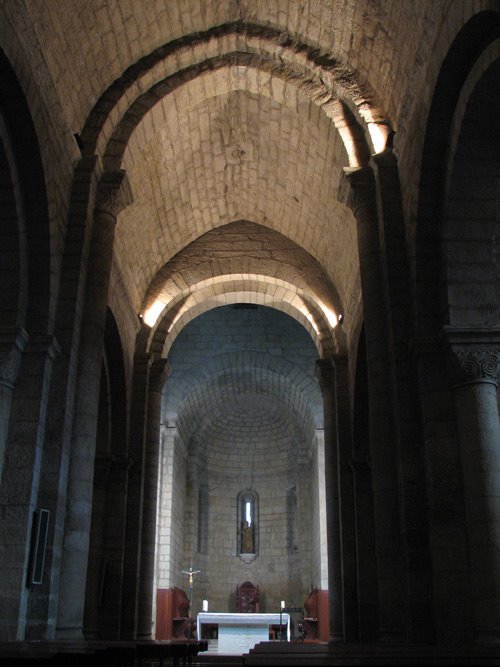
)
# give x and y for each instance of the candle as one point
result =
(205, 605)
(282, 604)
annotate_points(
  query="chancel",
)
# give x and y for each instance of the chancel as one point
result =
(249, 331)
(237, 633)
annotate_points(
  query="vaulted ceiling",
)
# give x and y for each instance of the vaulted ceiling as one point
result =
(234, 122)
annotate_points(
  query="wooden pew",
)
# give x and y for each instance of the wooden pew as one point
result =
(98, 653)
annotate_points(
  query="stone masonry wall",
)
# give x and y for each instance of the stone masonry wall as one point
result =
(257, 436)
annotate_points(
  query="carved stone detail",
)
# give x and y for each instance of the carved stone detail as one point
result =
(10, 359)
(474, 365)
(113, 193)
(357, 188)
(474, 354)
(9, 367)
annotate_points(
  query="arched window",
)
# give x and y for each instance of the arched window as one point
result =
(247, 530)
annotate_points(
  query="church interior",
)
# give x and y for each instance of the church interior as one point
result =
(250, 326)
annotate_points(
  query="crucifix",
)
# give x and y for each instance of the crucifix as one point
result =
(190, 574)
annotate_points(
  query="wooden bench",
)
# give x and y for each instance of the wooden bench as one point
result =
(98, 653)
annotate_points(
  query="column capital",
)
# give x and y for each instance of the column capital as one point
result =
(152, 360)
(474, 354)
(385, 158)
(357, 188)
(325, 372)
(153, 368)
(113, 193)
(13, 341)
(44, 345)
(159, 370)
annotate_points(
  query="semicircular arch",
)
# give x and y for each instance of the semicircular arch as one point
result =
(26, 222)
(268, 269)
(246, 289)
(323, 78)
(448, 105)
(471, 230)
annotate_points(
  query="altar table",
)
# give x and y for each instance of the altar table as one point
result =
(238, 633)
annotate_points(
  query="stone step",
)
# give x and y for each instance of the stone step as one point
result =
(311, 654)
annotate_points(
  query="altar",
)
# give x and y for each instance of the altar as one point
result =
(238, 633)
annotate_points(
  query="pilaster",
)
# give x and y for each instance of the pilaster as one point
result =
(345, 501)
(149, 376)
(44, 598)
(20, 484)
(365, 559)
(13, 341)
(110, 199)
(407, 434)
(360, 193)
(158, 373)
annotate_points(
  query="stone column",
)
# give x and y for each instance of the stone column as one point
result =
(12, 343)
(20, 484)
(411, 460)
(111, 198)
(135, 496)
(366, 563)
(325, 372)
(345, 500)
(148, 379)
(103, 596)
(361, 197)
(157, 376)
(96, 558)
(44, 598)
(115, 544)
(474, 367)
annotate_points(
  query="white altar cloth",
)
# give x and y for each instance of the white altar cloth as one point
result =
(238, 633)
